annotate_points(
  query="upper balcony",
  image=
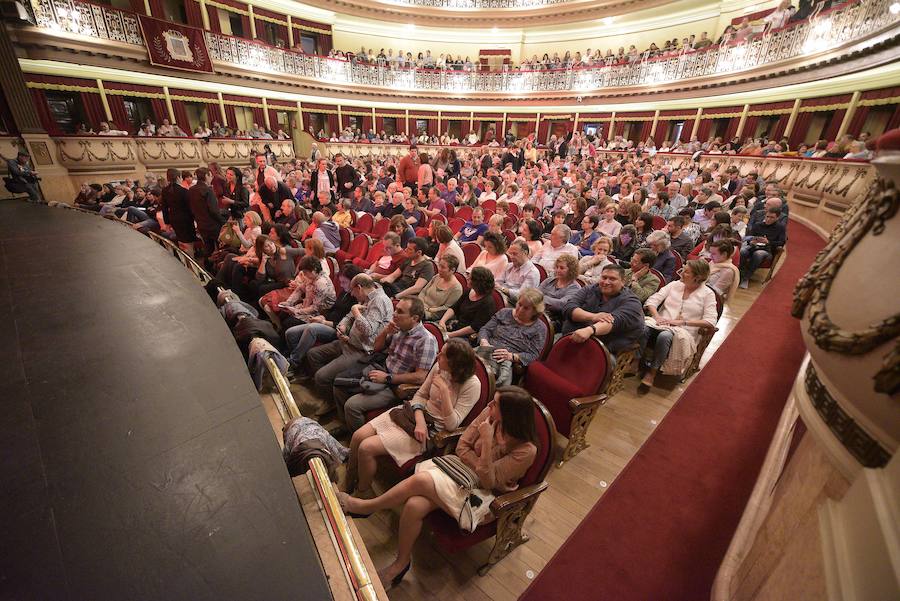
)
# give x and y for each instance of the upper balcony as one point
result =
(843, 33)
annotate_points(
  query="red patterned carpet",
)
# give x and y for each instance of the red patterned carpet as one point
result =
(661, 530)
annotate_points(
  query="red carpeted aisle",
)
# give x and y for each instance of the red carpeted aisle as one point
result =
(662, 528)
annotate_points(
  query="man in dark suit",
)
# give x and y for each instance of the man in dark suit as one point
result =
(205, 209)
(734, 184)
(487, 161)
(513, 157)
(177, 212)
(320, 181)
(346, 176)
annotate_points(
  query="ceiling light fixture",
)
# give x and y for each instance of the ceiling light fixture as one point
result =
(894, 8)
(606, 20)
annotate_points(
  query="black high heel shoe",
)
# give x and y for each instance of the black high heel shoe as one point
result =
(396, 579)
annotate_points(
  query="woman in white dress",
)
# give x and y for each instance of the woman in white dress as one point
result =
(498, 447)
(442, 403)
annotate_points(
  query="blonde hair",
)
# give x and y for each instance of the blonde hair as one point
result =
(315, 247)
(255, 219)
(533, 297)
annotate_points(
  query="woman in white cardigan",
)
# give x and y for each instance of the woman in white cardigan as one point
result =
(687, 305)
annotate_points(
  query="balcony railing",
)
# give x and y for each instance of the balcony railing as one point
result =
(832, 29)
(478, 4)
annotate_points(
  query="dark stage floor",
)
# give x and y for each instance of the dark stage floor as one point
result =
(137, 461)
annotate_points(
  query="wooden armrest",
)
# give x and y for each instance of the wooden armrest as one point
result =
(406, 391)
(511, 499)
(586, 402)
(445, 438)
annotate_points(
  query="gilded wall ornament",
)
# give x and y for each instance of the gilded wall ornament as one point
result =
(868, 216)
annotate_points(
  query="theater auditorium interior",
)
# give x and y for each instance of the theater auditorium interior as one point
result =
(249, 249)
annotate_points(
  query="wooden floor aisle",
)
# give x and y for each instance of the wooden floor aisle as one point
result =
(618, 431)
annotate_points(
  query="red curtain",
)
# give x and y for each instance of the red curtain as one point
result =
(543, 133)
(93, 109)
(780, 126)
(120, 117)
(137, 6)
(858, 121)
(192, 11)
(379, 124)
(749, 130)
(273, 120)
(432, 126)
(834, 125)
(620, 128)
(245, 25)
(43, 111)
(157, 9)
(645, 130)
(323, 43)
(464, 128)
(181, 116)
(732, 128)
(525, 129)
(662, 128)
(894, 123)
(160, 111)
(214, 25)
(213, 113)
(801, 128)
(231, 116)
(333, 126)
(259, 117)
(366, 124)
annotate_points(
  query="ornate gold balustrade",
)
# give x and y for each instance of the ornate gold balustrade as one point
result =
(818, 190)
(355, 149)
(803, 43)
(134, 156)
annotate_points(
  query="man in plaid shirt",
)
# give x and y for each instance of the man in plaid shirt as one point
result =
(411, 352)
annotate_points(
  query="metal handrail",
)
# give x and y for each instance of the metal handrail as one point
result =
(846, 23)
(354, 565)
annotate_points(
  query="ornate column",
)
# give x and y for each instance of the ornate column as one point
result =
(655, 123)
(848, 116)
(252, 21)
(204, 15)
(222, 109)
(266, 113)
(696, 126)
(290, 32)
(742, 122)
(169, 107)
(792, 119)
(56, 183)
(104, 101)
(612, 126)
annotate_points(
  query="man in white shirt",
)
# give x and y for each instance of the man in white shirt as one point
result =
(106, 131)
(676, 199)
(519, 273)
(556, 246)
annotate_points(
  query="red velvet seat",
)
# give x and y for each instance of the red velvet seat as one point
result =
(489, 205)
(358, 248)
(510, 510)
(470, 252)
(461, 278)
(346, 238)
(571, 383)
(376, 251)
(464, 213)
(364, 224)
(541, 271)
(509, 235)
(380, 228)
(658, 223)
(455, 224)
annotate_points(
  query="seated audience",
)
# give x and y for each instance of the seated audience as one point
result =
(559, 287)
(724, 275)
(764, 239)
(411, 351)
(443, 401)
(638, 277)
(591, 265)
(413, 274)
(659, 243)
(557, 245)
(677, 313)
(473, 309)
(499, 446)
(493, 257)
(520, 273)
(442, 291)
(514, 336)
(474, 230)
(607, 310)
